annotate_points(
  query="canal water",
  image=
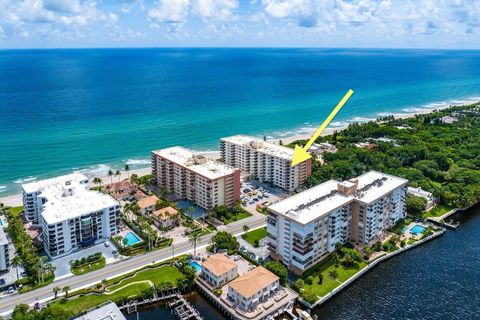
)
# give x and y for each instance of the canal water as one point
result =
(438, 280)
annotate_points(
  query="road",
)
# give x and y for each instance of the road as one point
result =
(76, 282)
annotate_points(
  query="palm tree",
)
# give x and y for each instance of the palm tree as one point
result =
(56, 290)
(117, 174)
(193, 238)
(246, 228)
(127, 169)
(66, 289)
(42, 260)
(110, 174)
(16, 262)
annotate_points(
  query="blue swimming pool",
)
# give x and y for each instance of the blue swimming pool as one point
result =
(417, 229)
(132, 238)
(195, 265)
(1, 223)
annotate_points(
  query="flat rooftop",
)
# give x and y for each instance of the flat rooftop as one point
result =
(62, 205)
(320, 200)
(109, 311)
(202, 165)
(39, 185)
(262, 146)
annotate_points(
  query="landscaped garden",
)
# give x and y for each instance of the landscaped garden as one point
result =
(229, 215)
(329, 274)
(91, 263)
(437, 211)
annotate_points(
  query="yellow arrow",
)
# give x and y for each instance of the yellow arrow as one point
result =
(300, 154)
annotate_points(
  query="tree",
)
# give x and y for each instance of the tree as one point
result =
(117, 174)
(246, 228)
(191, 211)
(16, 262)
(66, 289)
(224, 240)
(110, 174)
(278, 269)
(333, 274)
(56, 290)
(415, 205)
(193, 239)
(127, 169)
(299, 285)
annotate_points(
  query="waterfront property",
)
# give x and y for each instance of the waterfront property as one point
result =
(256, 294)
(32, 193)
(70, 214)
(218, 269)
(194, 177)
(265, 161)
(107, 311)
(428, 196)
(305, 228)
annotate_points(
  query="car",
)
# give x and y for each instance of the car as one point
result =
(107, 244)
(24, 274)
(115, 252)
(10, 290)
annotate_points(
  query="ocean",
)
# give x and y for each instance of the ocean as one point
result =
(96, 109)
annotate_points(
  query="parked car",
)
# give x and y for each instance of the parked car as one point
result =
(10, 290)
(106, 244)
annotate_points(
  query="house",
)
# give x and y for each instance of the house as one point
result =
(218, 270)
(165, 217)
(147, 205)
(253, 288)
(105, 311)
(419, 192)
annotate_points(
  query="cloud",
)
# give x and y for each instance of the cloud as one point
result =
(214, 9)
(170, 11)
(67, 6)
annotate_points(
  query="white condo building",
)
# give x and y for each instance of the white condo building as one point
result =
(4, 251)
(195, 177)
(304, 228)
(265, 161)
(31, 191)
(71, 215)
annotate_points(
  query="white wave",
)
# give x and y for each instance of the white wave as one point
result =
(99, 170)
(360, 119)
(338, 124)
(20, 181)
(136, 162)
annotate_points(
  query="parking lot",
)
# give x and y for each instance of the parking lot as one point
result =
(254, 193)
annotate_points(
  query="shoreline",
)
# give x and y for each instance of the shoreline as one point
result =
(16, 199)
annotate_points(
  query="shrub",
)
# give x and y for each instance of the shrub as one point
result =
(298, 285)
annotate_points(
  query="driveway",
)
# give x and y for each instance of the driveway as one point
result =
(62, 264)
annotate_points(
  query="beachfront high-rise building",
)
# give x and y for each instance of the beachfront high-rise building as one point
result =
(71, 215)
(30, 192)
(4, 251)
(304, 228)
(195, 177)
(265, 161)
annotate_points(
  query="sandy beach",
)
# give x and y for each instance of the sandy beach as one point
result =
(16, 200)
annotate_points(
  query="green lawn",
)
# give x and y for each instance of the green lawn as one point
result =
(253, 235)
(63, 309)
(328, 284)
(438, 210)
(16, 210)
(157, 276)
(88, 267)
(242, 215)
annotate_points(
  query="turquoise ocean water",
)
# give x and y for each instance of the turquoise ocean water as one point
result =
(95, 109)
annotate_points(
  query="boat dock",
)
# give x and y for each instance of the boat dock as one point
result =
(131, 306)
(183, 310)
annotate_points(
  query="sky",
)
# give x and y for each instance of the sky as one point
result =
(443, 24)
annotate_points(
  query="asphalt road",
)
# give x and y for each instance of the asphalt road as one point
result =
(76, 282)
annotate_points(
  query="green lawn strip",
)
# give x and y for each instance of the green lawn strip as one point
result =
(328, 284)
(74, 306)
(157, 276)
(16, 210)
(47, 279)
(437, 211)
(88, 267)
(253, 235)
(237, 217)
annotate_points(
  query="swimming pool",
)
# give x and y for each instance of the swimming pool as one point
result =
(195, 265)
(417, 229)
(1, 223)
(132, 238)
